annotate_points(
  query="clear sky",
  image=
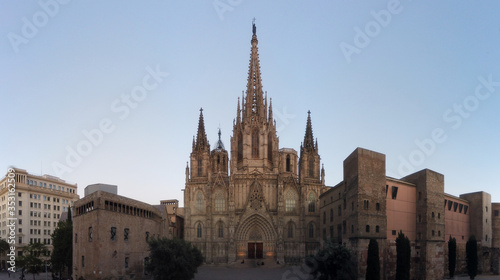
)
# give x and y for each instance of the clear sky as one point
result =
(110, 91)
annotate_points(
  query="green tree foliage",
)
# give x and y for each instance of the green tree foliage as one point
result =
(32, 258)
(452, 256)
(373, 261)
(62, 254)
(332, 262)
(4, 246)
(403, 250)
(173, 259)
(471, 252)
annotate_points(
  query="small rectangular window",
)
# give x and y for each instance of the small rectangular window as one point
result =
(125, 234)
(113, 233)
(393, 232)
(394, 192)
(496, 213)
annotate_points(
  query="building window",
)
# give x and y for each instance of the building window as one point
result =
(495, 212)
(439, 233)
(393, 232)
(433, 233)
(394, 192)
(311, 167)
(465, 209)
(270, 147)
(377, 229)
(419, 195)
(126, 262)
(199, 231)
(486, 207)
(312, 203)
(331, 231)
(352, 229)
(290, 230)
(455, 206)
(90, 234)
(199, 201)
(83, 261)
(240, 147)
(366, 204)
(311, 230)
(324, 217)
(340, 211)
(113, 233)
(220, 230)
(352, 206)
(255, 143)
(331, 214)
(377, 206)
(220, 201)
(344, 226)
(125, 234)
(200, 167)
(288, 169)
(367, 228)
(419, 218)
(433, 215)
(290, 200)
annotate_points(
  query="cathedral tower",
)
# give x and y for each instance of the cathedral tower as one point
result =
(254, 145)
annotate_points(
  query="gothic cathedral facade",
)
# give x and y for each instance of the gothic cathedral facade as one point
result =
(255, 201)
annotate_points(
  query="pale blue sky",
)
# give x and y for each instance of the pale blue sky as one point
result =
(65, 67)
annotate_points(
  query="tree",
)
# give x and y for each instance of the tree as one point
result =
(471, 252)
(403, 250)
(31, 260)
(171, 259)
(4, 246)
(373, 261)
(332, 262)
(452, 256)
(62, 254)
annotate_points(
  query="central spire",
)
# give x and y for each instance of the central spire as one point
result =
(254, 107)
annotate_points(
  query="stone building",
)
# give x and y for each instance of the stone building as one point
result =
(40, 200)
(368, 204)
(257, 200)
(111, 234)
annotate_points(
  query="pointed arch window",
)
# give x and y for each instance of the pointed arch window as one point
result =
(290, 200)
(270, 147)
(288, 169)
(311, 167)
(311, 230)
(255, 143)
(199, 231)
(311, 202)
(240, 147)
(199, 201)
(200, 167)
(220, 230)
(220, 201)
(290, 230)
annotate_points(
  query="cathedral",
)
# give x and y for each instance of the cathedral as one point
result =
(257, 200)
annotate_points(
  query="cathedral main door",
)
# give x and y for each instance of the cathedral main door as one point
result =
(255, 250)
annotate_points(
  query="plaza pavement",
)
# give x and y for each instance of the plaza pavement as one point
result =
(239, 273)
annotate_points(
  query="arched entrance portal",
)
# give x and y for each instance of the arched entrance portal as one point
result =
(256, 238)
(255, 244)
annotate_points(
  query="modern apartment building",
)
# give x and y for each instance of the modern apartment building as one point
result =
(39, 202)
